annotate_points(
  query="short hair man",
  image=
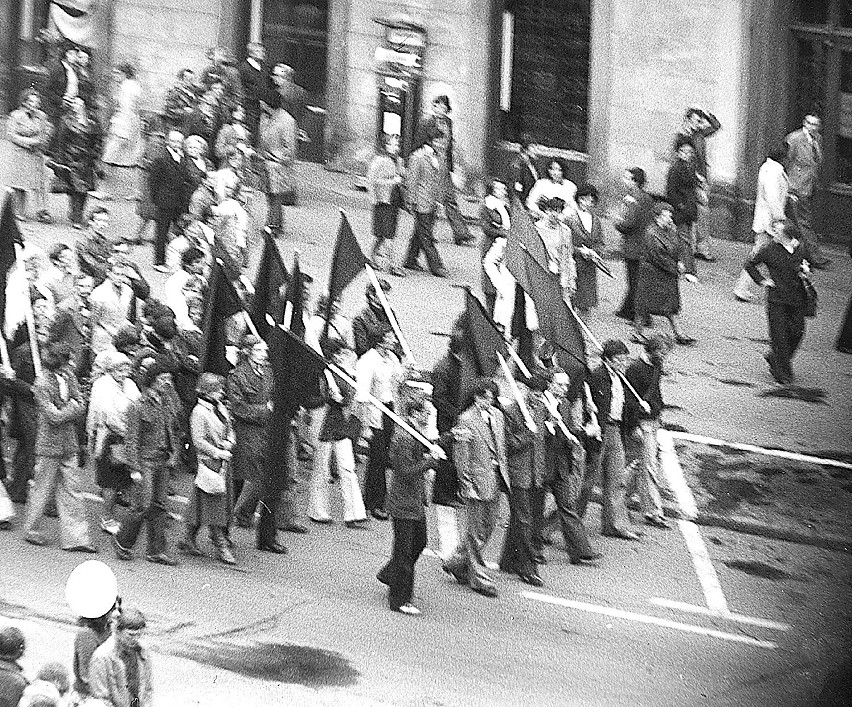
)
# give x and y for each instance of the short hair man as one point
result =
(120, 669)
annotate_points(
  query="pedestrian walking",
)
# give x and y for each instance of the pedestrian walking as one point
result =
(423, 191)
(29, 131)
(123, 147)
(786, 260)
(410, 461)
(557, 240)
(257, 86)
(631, 221)
(113, 302)
(804, 159)
(770, 203)
(553, 186)
(587, 241)
(120, 670)
(151, 448)
(198, 165)
(479, 451)
(50, 687)
(92, 634)
(385, 185)
(378, 374)
(95, 249)
(339, 428)
(60, 405)
(277, 148)
(683, 192)
(212, 494)
(495, 222)
(77, 150)
(664, 259)
(168, 181)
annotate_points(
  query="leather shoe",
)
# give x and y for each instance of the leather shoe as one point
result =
(190, 547)
(379, 514)
(413, 266)
(622, 535)
(81, 548)
(586, 558)
(161, 558)
(244, 523)
(460, 578)
(274, 548)
(486, 591)
(532, 579)
(294, 528)
(322, 521)
(706, 257)
(122, 553)
(362, 524)
(540, 560)
(36, 539)
(441, 272)
(657, 522)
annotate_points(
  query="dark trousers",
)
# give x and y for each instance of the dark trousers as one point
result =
(162, 223)
(273, 486)
(566, 492)
(423, 238)
(627, 310)
(274, 203)
(23, 461)
(409, 540)
(525, 509)
(803, 215)
(786, 329)
(77, 207)
(461, 234)
(375, 479)
(149, 508)
(385, 219)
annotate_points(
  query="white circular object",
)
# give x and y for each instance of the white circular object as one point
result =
(91, 589)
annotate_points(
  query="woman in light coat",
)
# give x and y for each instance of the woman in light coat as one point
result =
(213, 438)
(384, 185)
(106, 425)
(553, 186)
(28, 129)
(123, 148)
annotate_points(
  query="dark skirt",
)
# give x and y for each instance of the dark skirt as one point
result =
(110, 473)
(657, 291)
(385, 217)
(586, 295)
(207, 509)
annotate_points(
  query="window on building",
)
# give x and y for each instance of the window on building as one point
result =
(550, 73)
(296, 32)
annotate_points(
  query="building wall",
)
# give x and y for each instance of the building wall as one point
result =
(457, 63)
(651, 61)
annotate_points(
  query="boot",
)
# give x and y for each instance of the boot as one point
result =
(188, 545)
(220, 543)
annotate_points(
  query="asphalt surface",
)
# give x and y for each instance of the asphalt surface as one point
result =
(313, 628)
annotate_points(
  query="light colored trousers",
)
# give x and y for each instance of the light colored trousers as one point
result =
(59, 476)
(7, 510)
(643, 470)
(353, 503)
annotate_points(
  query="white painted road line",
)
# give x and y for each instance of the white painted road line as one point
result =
(795, 456)
(652, 620)
(707, 576)
(674, 475)
(183, 500)
(730, 616)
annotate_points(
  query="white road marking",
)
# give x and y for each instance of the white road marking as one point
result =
(674, 475)
(730, 616)
(183, 500)
(653, 620)
(760, 450)
(707, 576)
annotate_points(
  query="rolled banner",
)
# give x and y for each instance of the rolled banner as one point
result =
(91, 589)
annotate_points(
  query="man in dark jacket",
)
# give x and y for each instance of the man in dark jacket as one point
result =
(257, 87)
(495, 221)
(786, 260)
(169, 183)
(633, 219)
(682, 185)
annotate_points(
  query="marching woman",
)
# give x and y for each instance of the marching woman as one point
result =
(123, 148)
(553, 186)
(28, 130)
(385, 178)
(587, 239)
(557, 239)
(213, 439)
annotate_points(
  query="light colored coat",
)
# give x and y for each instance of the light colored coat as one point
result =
(473, 457)
(803, 162)
(108, 676)
(110, 307)
(771, 195)
(424, 182)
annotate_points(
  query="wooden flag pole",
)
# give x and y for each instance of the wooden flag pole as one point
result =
(522, 367)
(380, 293)
(642, 402)
(28, 311)
(513, 385)
(433, 448)
(4, 353)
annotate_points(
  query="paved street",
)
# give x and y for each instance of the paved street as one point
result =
(312, 628)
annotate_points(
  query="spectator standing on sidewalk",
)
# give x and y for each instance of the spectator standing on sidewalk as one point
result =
(28, 129)
(123, 148)
(631, 221)
(60, 405)
(385, 183)
(698, 125)
(168, 181)
(120, 671)
(769, 207)
(277, 148)
(683, 192)
(804, 159)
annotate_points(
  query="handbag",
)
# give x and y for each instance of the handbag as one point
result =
(208, 479)
(811, 297)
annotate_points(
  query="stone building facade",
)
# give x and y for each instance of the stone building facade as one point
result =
(603, 83)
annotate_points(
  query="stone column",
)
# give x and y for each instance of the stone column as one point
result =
(337, 129)
(256, 21)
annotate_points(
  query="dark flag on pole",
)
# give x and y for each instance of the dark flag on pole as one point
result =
(297, 370)
(523, 238)
(295, 301)
(272, 277)
(484, 337)
(556, 323)
(222, 302)
(348, 261)
(10, 235)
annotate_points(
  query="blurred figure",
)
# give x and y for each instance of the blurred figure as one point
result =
(49, 688)
(557, 239)
(123, 147)
(198, 165)
(684, 191)
(155, 146)
(553, 186)
(277, 148)
(496, 222)
(385, 180)
(168, 181)
(525, 172)
(804, 159)
(29, 130)
(254, 75)
(233, 135)
(181, 101)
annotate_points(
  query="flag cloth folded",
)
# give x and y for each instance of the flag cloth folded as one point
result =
(295, 301)
(483, 336)
(222, 302)
(297, 371)
(272, 277)
(347, 263)
(523, 238)
(556, 323)
(10, 234)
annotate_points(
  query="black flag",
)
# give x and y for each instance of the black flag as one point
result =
(484, 337)
(297, 370)
(272, 277)
(348, 261)
(296, 301)
(222, 302)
